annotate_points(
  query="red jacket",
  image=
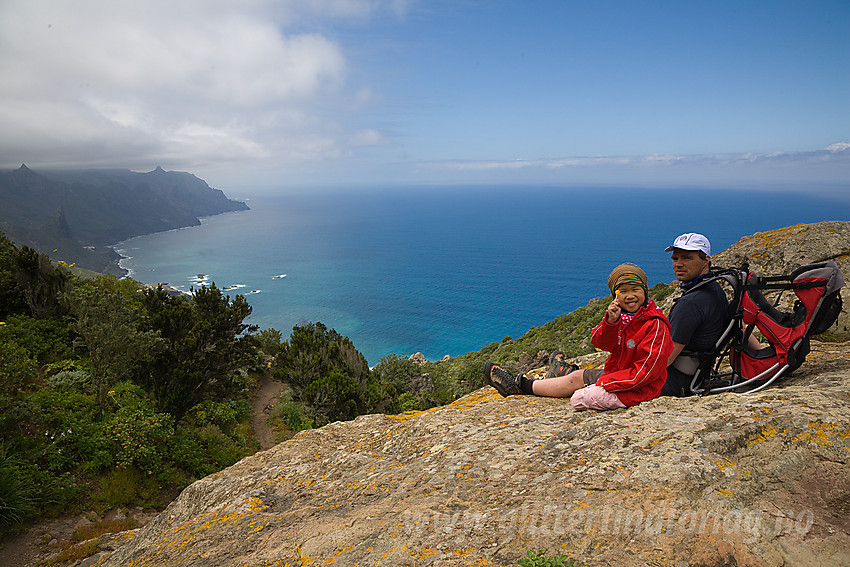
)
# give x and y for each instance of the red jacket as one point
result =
(637, 367)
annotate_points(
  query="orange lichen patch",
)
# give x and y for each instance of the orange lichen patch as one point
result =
(184, 537)
(465, 402)
(762, 241)
(255, 504)
(407, 415)
(765, 434)
(337, 553)
(259, 526)
(427, 552)
(823, 433)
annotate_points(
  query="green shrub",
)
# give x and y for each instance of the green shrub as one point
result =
(17, 368)
(140, 438)
(225, 415)
(292, 414)
(408, 402)
(122, 487)
(270, 340)
(66, 428)
(17, 493)
(78, 380)
(202, 451)
(660, 290)
(540, 559)
(46, 340)
(328, 374)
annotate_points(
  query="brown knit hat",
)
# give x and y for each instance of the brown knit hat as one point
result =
(627, 274)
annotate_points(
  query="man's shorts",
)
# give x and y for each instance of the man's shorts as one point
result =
(591, 376)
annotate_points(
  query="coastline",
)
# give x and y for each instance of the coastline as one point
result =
(119, 249)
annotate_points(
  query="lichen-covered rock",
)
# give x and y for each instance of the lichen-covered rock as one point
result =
(782, 251)
(759, 479)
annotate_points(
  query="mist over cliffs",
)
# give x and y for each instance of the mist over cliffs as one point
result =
(75, 215)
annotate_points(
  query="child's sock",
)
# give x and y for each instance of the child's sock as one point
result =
(525, 386)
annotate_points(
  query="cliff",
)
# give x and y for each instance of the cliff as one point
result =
(80, 213)
(758, 479)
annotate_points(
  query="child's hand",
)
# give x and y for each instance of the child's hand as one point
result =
(612, 314)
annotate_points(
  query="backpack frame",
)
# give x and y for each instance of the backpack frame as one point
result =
(735, 366)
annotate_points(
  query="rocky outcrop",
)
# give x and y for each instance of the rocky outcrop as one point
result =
(759, 479)
(782, 251)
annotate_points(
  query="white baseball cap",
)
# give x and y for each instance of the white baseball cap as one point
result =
(691, 241)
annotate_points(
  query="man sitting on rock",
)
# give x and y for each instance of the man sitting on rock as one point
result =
(699, 317)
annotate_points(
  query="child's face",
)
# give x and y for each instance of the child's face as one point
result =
(630, 297)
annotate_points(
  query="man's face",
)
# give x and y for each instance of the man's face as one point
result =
(687, 264)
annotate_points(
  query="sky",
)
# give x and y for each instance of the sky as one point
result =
(285, 93)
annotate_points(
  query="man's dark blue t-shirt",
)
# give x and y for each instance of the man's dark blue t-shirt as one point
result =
(697, 320)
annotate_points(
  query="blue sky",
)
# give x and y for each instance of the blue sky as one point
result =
(309, 92)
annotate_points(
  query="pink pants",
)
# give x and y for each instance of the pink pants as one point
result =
(595, 397)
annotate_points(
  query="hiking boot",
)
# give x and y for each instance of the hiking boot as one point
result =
(557, 365)
(505, 383)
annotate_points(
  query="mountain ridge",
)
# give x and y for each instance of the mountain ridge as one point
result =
(75, 215)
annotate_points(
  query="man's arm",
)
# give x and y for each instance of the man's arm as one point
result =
(677, 348)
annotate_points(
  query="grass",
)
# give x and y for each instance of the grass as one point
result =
(85, 541)
(540, 559)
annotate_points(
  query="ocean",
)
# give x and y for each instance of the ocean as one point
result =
(448, 270)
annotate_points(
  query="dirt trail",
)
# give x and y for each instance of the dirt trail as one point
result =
(262, 404)
(34, 546)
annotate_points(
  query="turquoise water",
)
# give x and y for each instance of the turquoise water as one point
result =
(448, 270)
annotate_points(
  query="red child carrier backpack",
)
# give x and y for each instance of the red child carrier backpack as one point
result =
(816, 308)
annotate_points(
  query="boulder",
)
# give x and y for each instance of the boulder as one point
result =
(418, 358)
(779, 252)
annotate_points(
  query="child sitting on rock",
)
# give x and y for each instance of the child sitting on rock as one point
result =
(633, 330)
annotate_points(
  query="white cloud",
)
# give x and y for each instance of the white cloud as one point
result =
(831, 164)
(838, 152)
(191, 81)
(368, 137)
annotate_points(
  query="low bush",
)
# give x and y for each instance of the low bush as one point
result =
(541, 559)
(292, 414)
